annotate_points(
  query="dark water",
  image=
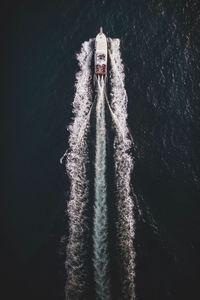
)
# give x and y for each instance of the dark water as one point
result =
(160, 49)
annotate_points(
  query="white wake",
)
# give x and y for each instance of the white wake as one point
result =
(100, 236)
(76, 158)
(123, 169)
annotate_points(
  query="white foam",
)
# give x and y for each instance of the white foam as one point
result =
(100, 235)
(123, 169)
(76, 158)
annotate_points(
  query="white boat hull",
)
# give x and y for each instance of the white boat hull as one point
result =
(101, 54)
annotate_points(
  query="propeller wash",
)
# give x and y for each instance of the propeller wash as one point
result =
(76, 158)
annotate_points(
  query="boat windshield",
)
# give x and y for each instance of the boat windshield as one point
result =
(101, 56)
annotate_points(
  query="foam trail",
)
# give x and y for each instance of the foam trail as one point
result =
(123, 168)
(100, 236)
(76, 159)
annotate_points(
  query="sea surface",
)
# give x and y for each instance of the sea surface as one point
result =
(160, 49)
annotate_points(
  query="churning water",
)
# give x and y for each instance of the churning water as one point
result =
(76, 160)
